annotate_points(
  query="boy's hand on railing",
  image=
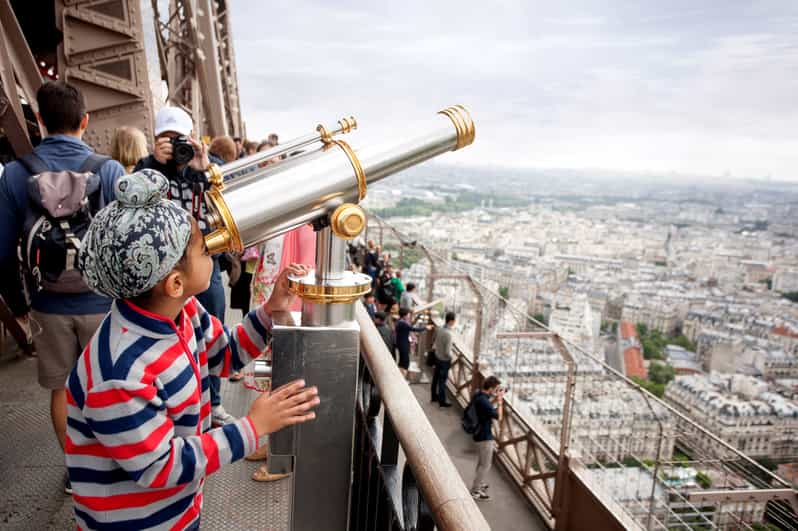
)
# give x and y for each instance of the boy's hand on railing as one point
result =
(282, 299)
(285, 406)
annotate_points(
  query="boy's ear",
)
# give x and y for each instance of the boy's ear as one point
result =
(174, 284)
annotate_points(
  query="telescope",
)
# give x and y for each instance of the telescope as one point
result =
(319, 179)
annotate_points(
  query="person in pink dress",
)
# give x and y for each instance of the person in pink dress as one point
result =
(296, 246)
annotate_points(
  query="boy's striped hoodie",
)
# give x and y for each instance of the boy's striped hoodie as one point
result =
(139, 440)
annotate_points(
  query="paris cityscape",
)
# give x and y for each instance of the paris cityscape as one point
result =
(399, 266)
(686, 286)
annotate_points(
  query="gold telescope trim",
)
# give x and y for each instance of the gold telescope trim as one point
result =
(463, 124)
(215, 176)
(360, 175)
(325, 294)
(347, 124)
(226, 236)
(347, 221)
(326, 136)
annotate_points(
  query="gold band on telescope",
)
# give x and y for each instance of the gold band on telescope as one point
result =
(321, 294)
(359, 173)
(228, 224)
(326, 137)
(215, 176)
(463, 124)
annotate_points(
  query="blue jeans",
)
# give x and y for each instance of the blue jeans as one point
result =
(212, 299)
(441, 374)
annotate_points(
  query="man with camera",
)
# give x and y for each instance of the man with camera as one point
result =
(183, 160)
(489, 404)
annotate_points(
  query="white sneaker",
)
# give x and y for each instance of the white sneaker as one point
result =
(220, 417)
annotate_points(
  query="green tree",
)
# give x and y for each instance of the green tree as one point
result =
(682, 341)
(767, 462)
(791, 295)
(539, 317)
(660, 373)
(642, 330)
(703, 480)
(504, 292)
(655, 389)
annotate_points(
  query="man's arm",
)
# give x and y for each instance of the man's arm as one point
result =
(10, 229)
(109, 173)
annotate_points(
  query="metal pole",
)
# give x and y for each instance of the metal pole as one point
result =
(477, 333)
(559, 507)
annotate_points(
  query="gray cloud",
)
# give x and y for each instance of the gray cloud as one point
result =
(690, 86)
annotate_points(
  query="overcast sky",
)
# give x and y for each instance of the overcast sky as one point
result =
(692, 86)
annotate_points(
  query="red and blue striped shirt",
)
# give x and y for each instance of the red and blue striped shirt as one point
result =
(139, 441)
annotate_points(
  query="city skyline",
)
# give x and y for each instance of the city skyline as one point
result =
(704, 90)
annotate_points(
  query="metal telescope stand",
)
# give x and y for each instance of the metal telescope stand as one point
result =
(324, 351)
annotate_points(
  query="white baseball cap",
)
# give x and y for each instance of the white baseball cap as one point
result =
(173, 119)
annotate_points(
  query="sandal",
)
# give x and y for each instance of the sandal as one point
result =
(235, 377)
(261, 454)
(262, 474)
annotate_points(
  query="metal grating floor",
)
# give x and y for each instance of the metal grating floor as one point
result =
(232, 501)
(32, 466)
(31, 463)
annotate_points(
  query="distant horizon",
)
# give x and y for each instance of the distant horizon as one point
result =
(606, 172)
(704, 88)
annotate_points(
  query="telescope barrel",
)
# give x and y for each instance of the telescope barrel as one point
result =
(252, 163)
(265, 202)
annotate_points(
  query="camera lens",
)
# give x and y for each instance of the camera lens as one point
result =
(182, 150)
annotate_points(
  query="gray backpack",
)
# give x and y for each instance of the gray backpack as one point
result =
(61, 206)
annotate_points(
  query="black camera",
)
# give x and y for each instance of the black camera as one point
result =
(182, 150)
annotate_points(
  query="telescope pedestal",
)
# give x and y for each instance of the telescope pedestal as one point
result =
(319, 453)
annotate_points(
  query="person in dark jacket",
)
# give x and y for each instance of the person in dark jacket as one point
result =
(370, 260)
(187, 187)
(402, 334)
(371, 306)
(488, 402)
(381, 322)
(443, 361)
(386, 294)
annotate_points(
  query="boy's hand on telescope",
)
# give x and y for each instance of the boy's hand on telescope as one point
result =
(281, 298)
(285, 406)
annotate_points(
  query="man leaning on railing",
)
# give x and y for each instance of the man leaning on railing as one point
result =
(443, 361)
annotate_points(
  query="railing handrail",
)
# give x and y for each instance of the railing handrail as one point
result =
(446, 495)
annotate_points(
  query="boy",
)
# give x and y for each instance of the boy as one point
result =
(139, 438)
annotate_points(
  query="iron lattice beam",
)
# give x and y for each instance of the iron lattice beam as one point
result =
(19, 77)
(195, 51)
(102, 53)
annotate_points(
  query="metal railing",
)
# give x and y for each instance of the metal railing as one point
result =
(567, 455)
(403, 477)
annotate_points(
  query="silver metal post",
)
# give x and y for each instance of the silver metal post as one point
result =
(325, 352)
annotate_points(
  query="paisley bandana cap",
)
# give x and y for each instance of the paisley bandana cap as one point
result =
(134, 242)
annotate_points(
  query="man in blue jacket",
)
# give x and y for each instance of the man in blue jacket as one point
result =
(488, 402)
(67, 320)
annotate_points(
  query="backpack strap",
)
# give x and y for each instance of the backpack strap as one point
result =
(33, 163)
(93, 163)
